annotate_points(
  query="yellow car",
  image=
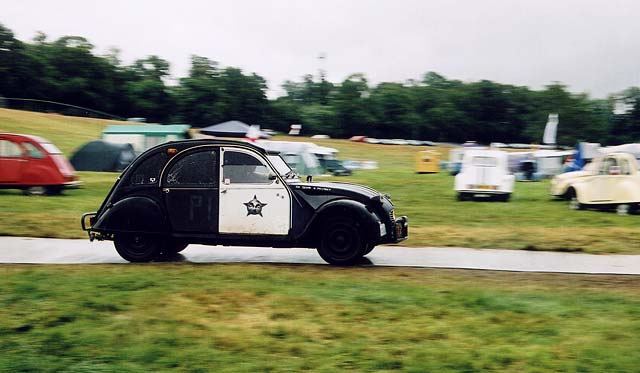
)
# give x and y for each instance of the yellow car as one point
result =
(616, 185)
(560, 183)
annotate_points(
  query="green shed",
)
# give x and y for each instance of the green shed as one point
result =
(143, 137)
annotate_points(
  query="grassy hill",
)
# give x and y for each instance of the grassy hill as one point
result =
(532, 220)
(68, 133)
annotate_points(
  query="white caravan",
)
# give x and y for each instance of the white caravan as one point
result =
(484, 173)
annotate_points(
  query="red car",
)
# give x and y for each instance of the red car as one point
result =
(34, 165)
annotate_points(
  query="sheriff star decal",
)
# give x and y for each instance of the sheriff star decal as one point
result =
(254, 207)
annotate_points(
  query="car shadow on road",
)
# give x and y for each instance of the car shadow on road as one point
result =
(172, 258)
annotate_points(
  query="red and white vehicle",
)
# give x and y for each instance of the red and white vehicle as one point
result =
(34, 165)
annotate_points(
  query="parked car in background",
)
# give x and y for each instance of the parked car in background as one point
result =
(484, 173)
(34, 165)
(427, 161)
(616, 185)
(222, 192)
(561, 183)
(336, 168)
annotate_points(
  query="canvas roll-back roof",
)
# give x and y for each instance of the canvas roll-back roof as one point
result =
(184, 144)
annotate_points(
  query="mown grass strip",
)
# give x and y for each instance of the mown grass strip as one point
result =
(248, 318)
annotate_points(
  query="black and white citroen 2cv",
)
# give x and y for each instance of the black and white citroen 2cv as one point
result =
(222, 192)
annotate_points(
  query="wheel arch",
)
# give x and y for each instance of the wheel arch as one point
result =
(343, 207)
(574, 190)
(133, 214)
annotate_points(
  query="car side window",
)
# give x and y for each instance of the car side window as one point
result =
(10, 149)
(33, 151)
(624, 167)
(148, 171)
(243, 168)
(606, 166)
(198, 168)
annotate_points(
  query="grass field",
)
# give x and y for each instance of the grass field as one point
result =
(530, 221)
(252, 318)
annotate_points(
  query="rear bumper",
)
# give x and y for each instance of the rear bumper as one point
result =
(483, 191)
(72, 184)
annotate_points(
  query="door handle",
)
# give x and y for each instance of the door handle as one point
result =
(166, 190)
(223, 191)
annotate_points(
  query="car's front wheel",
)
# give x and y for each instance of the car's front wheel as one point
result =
(138, 247)
(341, 242)
(574, 204)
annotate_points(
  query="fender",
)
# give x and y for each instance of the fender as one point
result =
(345, 207)
(580, 191)
(135, 213)
(41, 175)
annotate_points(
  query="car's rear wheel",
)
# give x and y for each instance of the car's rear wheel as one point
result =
(138, 247)
(36, 190)
(341, 242)
(504, 197)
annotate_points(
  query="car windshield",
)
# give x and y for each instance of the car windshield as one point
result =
(279, 163)
(50, 148)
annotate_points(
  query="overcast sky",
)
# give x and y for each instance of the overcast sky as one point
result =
(592, 46)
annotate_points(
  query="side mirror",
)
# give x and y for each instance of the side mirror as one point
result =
(272, 177)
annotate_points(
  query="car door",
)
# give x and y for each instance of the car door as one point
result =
(252, 199)
(190, 188)
(12, 162)
(613, 186)
(599, 185)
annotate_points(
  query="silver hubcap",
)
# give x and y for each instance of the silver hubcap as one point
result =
(36, 190)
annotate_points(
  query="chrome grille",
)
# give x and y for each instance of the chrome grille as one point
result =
(392, 215)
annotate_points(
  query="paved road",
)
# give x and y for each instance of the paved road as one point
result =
(57, 251)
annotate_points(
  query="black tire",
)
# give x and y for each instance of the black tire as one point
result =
(504, 197)
(574, 203)
(138, 248)
(462, 197)
(341, 243)
(35, 190)
(54, 190)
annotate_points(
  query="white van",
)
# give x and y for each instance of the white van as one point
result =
(484, 173)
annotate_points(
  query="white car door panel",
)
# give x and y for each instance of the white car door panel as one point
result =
(251, 209)
(251, 202)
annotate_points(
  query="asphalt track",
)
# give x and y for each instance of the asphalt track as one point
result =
(58, 251)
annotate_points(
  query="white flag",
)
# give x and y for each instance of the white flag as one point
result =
(551, 129)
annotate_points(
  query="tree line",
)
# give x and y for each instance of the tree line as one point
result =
(434, 108)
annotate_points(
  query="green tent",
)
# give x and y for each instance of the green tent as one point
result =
(100, 155)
